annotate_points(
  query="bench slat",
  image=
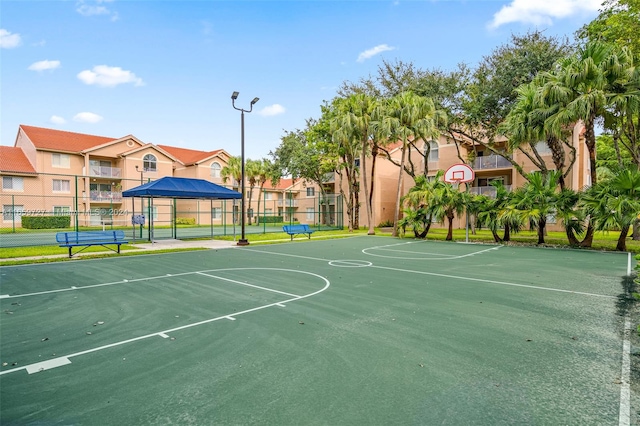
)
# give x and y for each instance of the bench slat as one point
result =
(90, 238)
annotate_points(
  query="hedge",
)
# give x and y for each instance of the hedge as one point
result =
(46, 222)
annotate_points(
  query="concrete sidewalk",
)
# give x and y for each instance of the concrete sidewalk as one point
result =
(142, 248)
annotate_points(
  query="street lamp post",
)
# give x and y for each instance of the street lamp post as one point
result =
(243, 241)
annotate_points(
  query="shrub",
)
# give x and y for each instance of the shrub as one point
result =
(46, 222)
(269, 219)
(185, 221)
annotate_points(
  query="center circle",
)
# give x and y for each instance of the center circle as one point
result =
(350, 263)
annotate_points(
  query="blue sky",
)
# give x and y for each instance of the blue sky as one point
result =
(164, 71)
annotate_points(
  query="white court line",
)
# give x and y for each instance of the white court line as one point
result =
(230, 318)
(247, 284)
(625, 377)
(451, 257)
(413, 252)
(207, 321)
(495, 282)
(164, 336)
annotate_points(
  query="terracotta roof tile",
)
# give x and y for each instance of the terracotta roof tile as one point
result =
(283, 184)
(60, 140)
(12, 159)
(188, 156)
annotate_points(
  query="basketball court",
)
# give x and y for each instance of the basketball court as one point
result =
(363, 330)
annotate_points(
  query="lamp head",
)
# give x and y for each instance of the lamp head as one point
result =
(137, 168)
(234, 95)
(254, 100)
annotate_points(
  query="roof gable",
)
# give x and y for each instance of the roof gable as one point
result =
(59, 140)
(12, 159)
(189, 156)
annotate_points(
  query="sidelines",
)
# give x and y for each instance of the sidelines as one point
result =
(64, 360)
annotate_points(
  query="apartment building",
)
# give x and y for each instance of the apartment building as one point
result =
(487, 166)
(51, 171)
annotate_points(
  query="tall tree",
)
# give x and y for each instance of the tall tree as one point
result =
(406, 117)
(352, 125)
(618, 23)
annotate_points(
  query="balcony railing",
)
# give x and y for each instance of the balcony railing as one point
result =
(105, 196)
(107, 172)
(288, 203)
(328, 199)
(489, 191)
(490, 162)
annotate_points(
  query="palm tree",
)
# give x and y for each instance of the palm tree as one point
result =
(252, 174)
(534, 202)
(582, 86)
(264, 173)
(233, 171)
(419, 202)
(407, 116)
(448, 202)
(490, 213)
(354, 123)
(615, 204)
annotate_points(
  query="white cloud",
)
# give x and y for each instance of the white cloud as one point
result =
(95, 8)
(56, 119)
(275, 109)
(542, 12)
(44, 65)
(8, 40)
(87, 117)
(105, 76)
(374, 51)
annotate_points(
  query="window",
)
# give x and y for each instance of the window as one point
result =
(356, 162)
(154, 213)
(311, 192)
(543, 148)
(12, 182)
(310, 213)
(60, 185)
(215, 170)
(433, 151)
(268, 196)
(61, 211)
(216, 213)
(100, 167)
(149, 163)
(11, 212)
(60, 160)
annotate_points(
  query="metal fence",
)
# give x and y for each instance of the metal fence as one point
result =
(35, 207)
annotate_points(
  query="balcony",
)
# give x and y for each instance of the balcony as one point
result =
(106, 196)
(288, 203)
(328, 199)
(490, 162)
(489, 191)
(105, 172)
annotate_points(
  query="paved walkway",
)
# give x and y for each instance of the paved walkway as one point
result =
(157, 245)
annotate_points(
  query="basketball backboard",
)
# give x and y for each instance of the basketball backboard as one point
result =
(459, 173)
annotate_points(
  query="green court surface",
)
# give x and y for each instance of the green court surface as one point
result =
(356, 331)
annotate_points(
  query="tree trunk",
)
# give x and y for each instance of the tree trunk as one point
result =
(541, 227)
(507, 233)
(622, 239)
(450, 231)
(588, 238)
(496, 237)
(590, 142)
(573, 241)
(636, 230)
(396, 213)
(367, 197)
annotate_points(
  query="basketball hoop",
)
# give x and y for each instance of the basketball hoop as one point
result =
(455, 175)
(459, 173)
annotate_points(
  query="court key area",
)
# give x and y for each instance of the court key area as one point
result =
(366, 330)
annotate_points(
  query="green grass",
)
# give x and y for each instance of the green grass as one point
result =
(601, 241)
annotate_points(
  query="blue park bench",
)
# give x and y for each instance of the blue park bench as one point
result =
(90, 238)
(298, 229)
